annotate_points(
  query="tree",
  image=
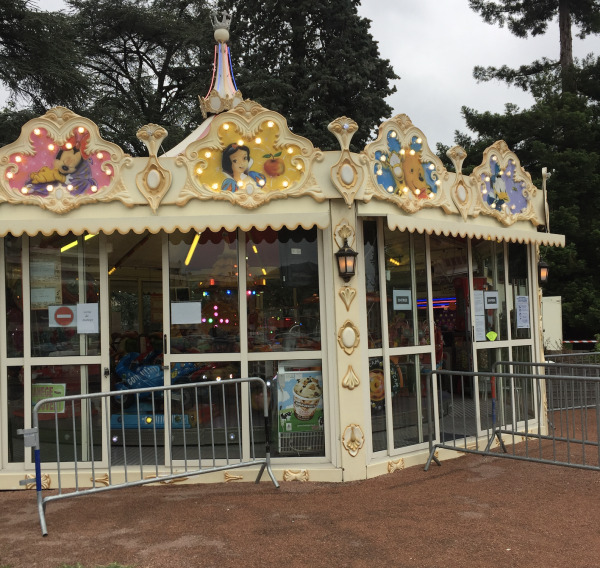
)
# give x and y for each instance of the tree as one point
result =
(561, 132)
(312, 61)
(532, 17)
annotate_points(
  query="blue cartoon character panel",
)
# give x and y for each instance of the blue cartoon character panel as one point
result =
(500, 190)
(402, 169)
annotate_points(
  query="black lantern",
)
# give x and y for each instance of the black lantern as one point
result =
(346, 258)
(543, 270)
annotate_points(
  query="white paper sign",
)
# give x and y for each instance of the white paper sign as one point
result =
(62, 316)
(491, 300)
(87, 318)
(478, 302)
(522, 311)
(402, 300)
(479, 328)
(185, 313)
(43, 295)
(42, 270)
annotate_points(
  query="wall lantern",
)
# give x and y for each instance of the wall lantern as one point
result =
(346, 258)
(543, 270)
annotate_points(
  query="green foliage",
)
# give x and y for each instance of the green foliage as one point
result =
(312, 61)
(560, 132)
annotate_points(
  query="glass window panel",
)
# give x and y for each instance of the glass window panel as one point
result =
(409, 400)
(451, 311)
(377, 395)
(524, 388)
(485, 360)
(519, 285)
(221, 404)
(489, 285)
(63, 274)
(203, 272)
(14, 296)
(282, 279)
(406, 288)
(16, 414)
(79, 423)
(371, 251)
(296, 405)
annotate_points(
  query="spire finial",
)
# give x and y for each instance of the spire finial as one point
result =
(221, 26)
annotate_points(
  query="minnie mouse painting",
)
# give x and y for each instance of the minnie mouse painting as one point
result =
(236, 164)
(71, 166)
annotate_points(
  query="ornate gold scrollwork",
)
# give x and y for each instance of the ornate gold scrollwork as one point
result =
(347, 294)
(300, 475)
(348, 337)
(353, 439)
(153, 181)
(397, 465)
(350, 380)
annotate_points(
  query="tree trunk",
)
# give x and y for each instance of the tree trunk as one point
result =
(566, 46)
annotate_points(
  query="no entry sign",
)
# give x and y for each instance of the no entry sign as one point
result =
(62, 316)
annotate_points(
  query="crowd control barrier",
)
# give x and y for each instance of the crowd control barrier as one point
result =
(198, 424)
(512, 409)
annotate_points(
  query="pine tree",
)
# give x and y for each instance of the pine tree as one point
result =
(526, 17)
(312, 61)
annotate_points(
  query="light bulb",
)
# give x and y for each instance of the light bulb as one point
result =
(258, 140)
(70, 187)
(299, 167)
(207, 154)
(50, 147)
(23, 190)
(49, 187)
(68, 145)
(431, 167)
(270, 124)
(261, 182)
(37, 131)
(9, 175)
(412, 152)
(241, 183)
(438, 182)
(198, 171)
(417, 191)
(390, 189)
(501, 173)
(487, 178)
(405, 189)
(81, 130)
(215, 186)
(403, 151)
(94, 188)
(290, 150)
(508, 174)
(240, 142)
(100, 155)
(18, 159)
(493, 206)
(393, 135)
(432, 195)
(109, 172)
(419, 140)
(226, 126)
(285, 184)
(383, 158)
(484, 192)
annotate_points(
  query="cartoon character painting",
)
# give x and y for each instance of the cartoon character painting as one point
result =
(236, 164)
(501, 191)
(402, 169)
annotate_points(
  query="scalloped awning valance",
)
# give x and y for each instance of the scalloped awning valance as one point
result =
(473, 230)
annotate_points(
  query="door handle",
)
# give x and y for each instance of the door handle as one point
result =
(165, 367)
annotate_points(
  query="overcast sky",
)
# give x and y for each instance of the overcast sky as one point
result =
(433, 46)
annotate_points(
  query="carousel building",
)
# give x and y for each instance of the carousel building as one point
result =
(340, 278)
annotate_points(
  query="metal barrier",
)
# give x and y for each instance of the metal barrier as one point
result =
(194, 418)
(507, 404)
(554, 398)
(590, 358)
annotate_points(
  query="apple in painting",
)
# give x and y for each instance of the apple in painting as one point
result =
(274, 166)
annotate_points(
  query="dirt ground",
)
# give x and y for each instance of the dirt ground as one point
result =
(472, 511)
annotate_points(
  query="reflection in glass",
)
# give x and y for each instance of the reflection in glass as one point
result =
(406, 288)
(282, 279)
(519, 283)
(15, 392)
(489, 288)
(14, 296)
(296, 403)
(49, 381)
(63, 273)
(489, 413)
(525, 389)
(203, 272)
(377, 399)
(371, 252)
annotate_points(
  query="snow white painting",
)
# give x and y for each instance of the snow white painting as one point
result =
(236, 164)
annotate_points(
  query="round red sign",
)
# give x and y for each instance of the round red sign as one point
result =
(64, 316)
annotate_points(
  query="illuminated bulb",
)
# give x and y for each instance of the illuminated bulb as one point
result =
(94, 188)
(290, 150)
(50, 147)
(215, 186)
(258, 140)
(383, 158)
(68, 145)
(299, 167)
(417, 191)
(393, 135)
(81, 130)
(241, 183)
(432, 195)
(513, 207)
(215, 308)
(379, 172)
(493, 206)
(49, 187)
(109, 172)
(37, 131)
(438, 182)
(419, 140)
(9, 175)
(494, 159)
(226, 126)
(484, 192)
(504, 206)
(508, 174)
(23, 190)
(240, 142)
(261, 182)
(412, 152)
(221, 321)
(100, 155)
(391, 189)
(285, 184)
(431, 167)
(198, 171)
(216, 314)
(405, 189)
(18, 159)
(403, 151)
(207, 154)
(226, 321)
(487, 178)
(270, 124)
(70, 187)
(501, 173)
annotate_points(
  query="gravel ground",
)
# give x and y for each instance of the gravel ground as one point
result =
(472, 511)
